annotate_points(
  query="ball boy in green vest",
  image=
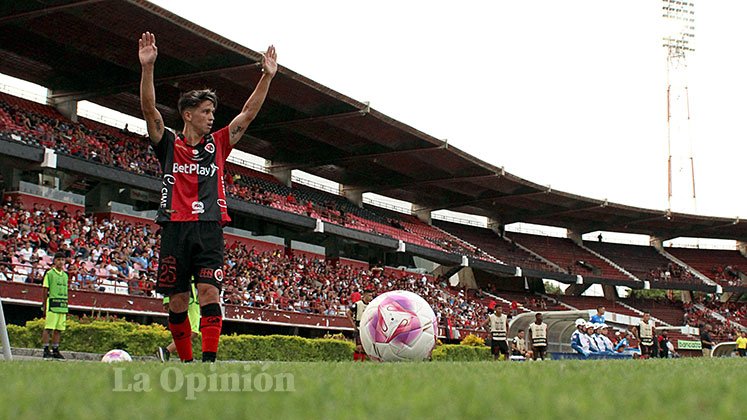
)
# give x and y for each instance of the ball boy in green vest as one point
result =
(54, 305)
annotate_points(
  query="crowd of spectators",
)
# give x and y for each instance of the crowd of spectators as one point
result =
(671, 273)
(726, 275)
(724, 328)
(122, 257)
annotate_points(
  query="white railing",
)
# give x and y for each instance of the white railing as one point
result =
(315, 185)
(128, 210)
(51, 193)
(247, 164)
(458, 220)
(384, 205)
(12, 90)
(113, 122)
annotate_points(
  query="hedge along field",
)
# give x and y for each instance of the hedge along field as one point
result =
(99, 336)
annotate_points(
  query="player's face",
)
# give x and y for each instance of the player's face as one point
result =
(201, 117)
(59, 262)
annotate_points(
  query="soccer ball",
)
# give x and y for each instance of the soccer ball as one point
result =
(398, 326)
(114, 356)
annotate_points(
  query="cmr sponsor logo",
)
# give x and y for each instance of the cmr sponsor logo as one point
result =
(168, 179)
(198, 207)
(194, 168)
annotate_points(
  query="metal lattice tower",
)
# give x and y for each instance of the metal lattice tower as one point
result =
(679, 37)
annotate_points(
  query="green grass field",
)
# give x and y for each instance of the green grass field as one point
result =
(692, 388)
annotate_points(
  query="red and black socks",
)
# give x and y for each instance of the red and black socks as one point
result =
(181, 331)
(210, 326)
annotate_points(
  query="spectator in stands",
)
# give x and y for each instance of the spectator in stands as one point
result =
(706, 340)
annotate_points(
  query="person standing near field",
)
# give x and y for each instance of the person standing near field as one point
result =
(193, 208)
(706, 341)
(742, 343)
(355, 315)
(498, 323)
(54, 306)
(193, 313)
(538, 337)
(644, 333)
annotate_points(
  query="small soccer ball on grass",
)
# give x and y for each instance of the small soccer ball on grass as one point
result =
(115, 356)
(398, 326)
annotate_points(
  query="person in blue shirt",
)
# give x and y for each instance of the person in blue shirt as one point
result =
(598, 318)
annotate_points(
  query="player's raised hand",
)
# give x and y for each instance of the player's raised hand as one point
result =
(147, 49)
(270, 61)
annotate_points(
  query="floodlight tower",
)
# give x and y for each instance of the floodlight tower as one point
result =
(679, 37)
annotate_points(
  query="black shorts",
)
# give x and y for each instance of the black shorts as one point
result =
(499, 347)
(190, 250)
(540, 351)
(647, 350)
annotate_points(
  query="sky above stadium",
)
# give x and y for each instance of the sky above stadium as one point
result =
(568, 94)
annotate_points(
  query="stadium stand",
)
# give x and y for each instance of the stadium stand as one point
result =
(117, 256)
(644, 262)
(568, 255)
(722, 266)
(503, 250)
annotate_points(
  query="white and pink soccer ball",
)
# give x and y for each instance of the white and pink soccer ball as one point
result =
(398, 326)
(115, 356)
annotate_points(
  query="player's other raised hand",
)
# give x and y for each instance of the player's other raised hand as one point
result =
(147, 49)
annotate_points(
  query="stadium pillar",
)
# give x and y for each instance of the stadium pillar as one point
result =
(67, 106)
(742, 248)
(496, 226)
(282, 174)
(577, 289)
(657, 243)
(575, 237)
(99, 199)
(424, 214)
(610, 292)
(352, 194)
(11, 178)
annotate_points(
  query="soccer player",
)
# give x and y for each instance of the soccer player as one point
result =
(598, 318)
(193, 313)
(498, 323)
(54, 306)
(538, 337)
(193, 206)
(355, 315)
(645, 334)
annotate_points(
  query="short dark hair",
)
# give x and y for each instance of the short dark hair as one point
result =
(194, 98)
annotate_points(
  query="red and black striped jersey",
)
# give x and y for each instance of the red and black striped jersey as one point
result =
(192, 188)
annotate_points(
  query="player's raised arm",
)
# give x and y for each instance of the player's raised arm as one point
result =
(147, 53)
(252, 106)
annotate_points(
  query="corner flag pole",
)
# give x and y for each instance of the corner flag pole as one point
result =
(4, 334)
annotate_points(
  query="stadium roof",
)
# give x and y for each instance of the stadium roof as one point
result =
(86, 49)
